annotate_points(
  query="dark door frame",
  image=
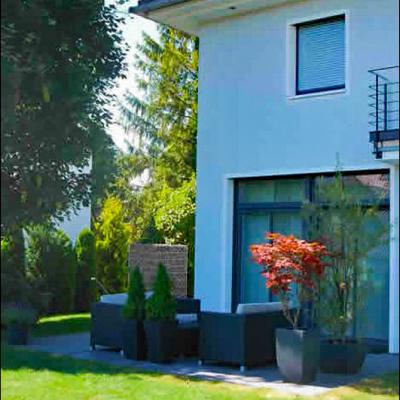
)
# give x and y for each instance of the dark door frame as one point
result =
(241, 209)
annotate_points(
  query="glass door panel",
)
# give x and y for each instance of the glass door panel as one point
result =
(254, 226)
(287, 223)
(252, 284)
(373, 321)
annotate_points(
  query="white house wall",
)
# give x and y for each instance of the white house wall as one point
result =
(394, 262)
(250, 125)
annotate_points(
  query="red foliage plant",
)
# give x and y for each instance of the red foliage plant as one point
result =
(287, 260)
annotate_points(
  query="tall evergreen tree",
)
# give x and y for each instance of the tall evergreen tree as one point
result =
(163, 120)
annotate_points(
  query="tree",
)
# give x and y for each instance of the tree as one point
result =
(14, 288)
(174, 218)
(341, 221)
(104, 169)
(288, 261)
(52, 266)
(164, 120)
(85, 250)
(59, 60)
(112, 243)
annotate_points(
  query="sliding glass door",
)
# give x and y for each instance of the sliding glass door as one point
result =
(274, 205)
(254, 226)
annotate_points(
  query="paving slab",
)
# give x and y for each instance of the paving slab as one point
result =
(78, 346)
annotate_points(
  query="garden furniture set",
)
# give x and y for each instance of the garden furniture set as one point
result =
(245, 338)
(107, 324)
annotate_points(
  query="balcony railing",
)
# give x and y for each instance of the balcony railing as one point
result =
(384, 106)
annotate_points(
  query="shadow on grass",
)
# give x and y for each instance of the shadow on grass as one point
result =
(14, 358)
(387, 384)
(62, 325)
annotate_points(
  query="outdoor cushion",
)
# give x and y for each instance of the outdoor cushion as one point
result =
(184, 319)
(118, 298)
(253, 308)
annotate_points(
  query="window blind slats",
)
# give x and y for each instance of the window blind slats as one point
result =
(321, 55)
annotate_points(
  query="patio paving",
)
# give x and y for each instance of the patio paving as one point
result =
(77, 346)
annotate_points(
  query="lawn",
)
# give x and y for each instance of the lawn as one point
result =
(32, 375)
(62, 325)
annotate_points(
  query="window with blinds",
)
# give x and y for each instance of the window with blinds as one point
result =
(320, 55)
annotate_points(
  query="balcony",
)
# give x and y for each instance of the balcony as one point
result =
(384, 113)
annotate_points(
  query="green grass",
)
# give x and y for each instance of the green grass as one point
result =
(33, 375)
(62, 325)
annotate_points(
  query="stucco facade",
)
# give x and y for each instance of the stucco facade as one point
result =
(251, 123)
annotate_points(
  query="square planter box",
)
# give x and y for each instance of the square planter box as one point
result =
(342, 358)
(161, 339)
(297, 354)
(134, 340)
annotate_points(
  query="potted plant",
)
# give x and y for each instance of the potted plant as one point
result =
(339, 220)
(17, 319)
(134, 340)
(292, 267)
(161, 325)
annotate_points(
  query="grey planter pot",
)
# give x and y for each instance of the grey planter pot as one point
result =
(134, 340)
(161, 340)
(17, 334)
(342, 358)
(297, 354)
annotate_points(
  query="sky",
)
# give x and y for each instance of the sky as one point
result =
(132, 32)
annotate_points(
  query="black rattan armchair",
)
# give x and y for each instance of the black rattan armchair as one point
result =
(241, 339)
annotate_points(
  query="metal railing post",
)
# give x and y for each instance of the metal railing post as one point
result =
(385, 111)
(376, 103)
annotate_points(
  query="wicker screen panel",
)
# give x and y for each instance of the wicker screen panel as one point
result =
(174, 257)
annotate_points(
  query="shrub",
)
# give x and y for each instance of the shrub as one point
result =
(161, 306)
(112, 243)
(135, 305)
(174, 219)
(13, 252)
(85, 287)
(17, 314)
(52, 266)
(14, 286)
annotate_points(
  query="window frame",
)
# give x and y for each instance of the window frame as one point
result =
(239, 209)
(325, 89)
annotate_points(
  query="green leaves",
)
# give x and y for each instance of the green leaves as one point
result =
(175, 210)
(351, 231)
(161, 123)
(52, 266)
(112, 242)
(135, 305)
(59, 61)
(85, 250)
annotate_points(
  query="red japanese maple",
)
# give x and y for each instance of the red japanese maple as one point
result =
(288, 261)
